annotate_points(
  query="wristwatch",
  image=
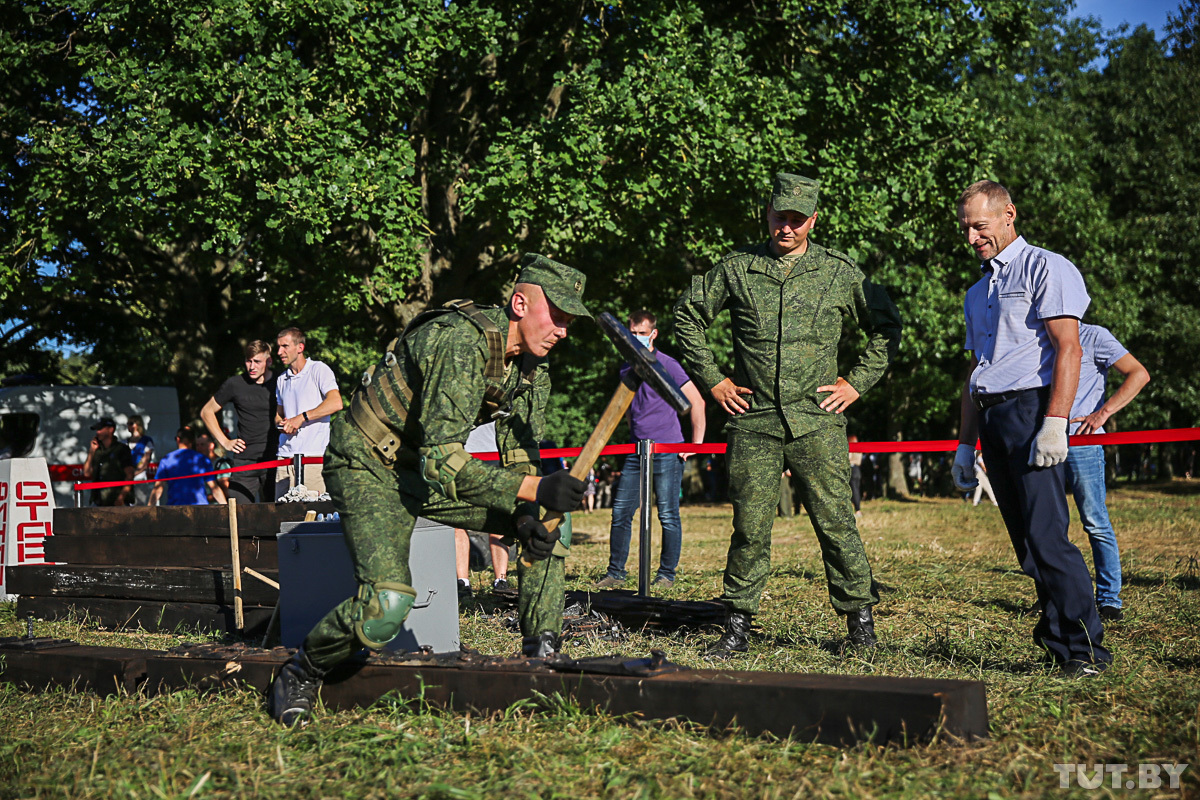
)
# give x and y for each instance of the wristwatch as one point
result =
(305, 415)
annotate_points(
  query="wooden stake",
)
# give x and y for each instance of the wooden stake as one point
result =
(239, 620)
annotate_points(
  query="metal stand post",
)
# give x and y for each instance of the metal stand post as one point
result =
(298, 468)
(78, 496)
(645, 451)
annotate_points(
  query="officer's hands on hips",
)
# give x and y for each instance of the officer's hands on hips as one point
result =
(841, 395)
(559, 491)
(533, 536)
(963, 471)
(729, 397)
(1050, 444)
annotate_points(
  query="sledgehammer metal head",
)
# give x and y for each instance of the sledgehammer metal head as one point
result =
(644, 362)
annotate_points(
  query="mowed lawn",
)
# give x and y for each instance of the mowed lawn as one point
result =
(951, 608)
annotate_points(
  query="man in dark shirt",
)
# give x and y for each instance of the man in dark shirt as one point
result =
(253, 398)
(109, 460)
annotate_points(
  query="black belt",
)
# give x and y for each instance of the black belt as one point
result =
(983, 401)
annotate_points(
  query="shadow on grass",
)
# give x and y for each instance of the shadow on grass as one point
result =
(1008, 606)
(1188, 582)
(1183, 488)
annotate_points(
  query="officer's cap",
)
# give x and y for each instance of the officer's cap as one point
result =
(563, 285)
(794, 193)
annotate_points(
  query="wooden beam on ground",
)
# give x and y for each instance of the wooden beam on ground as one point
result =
(832, 709)
(167, 584)
(42, 663)
(168, 551)
(255, 519)
(146, 615)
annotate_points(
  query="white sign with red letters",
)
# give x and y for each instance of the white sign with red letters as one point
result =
(26, 514)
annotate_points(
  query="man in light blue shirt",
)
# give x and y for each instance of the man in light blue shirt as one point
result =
(1085, 463)
(1022, 322)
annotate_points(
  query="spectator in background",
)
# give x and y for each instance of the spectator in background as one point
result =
(985, 486)
(252, 394)
(185, 461)
(651, 417)
(589, 494)
(1085, 463)
(109, 459)
(481, 440)
(206, 447)
(141, 447)
(856, 460)
(306, 395)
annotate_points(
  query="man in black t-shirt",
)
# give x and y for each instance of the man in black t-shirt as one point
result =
(253, 398)
(109, 459)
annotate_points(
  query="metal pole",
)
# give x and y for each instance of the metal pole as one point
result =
(78, 496)
(298, 468)
(645, 491)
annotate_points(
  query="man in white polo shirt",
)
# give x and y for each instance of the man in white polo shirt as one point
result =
(306, 393)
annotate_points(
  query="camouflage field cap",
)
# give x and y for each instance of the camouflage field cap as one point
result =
(794, 193)
(563, 285)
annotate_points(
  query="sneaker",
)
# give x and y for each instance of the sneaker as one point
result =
(662, 583)
(464, 589)
(608, 581)
(500, 585)
(1111, 613)
(1078, 668)
(294, 691)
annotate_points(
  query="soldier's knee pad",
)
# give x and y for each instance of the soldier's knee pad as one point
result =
(382, 609)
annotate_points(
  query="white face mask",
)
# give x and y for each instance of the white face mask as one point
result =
(645, 340)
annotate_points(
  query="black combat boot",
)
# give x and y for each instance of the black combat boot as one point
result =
(294, 692)
(544, 645)
(736, 638)
(861, 627)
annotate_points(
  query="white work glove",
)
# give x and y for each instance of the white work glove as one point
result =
(1050, 444)
(963, 470)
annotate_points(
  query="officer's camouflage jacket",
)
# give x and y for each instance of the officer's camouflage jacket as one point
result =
(443, 361)
(786, 332)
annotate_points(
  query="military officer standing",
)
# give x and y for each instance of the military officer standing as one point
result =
(787, 298)
(398, 453)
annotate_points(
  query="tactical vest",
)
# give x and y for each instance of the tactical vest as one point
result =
(386, 379)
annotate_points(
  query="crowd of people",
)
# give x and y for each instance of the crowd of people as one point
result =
(401, 450)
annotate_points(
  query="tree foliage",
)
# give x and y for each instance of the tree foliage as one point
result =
(179, 177)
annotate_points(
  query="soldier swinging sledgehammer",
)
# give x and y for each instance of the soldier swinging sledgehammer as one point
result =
(397, 454)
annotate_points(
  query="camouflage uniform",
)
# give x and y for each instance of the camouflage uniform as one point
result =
(787, 322)
(443, 362)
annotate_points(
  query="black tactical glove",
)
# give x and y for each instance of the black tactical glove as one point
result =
(537, 541)
(560, 492)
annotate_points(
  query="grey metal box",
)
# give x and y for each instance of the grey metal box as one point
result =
(316, 573)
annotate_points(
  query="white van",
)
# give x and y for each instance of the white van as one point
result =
(54, 423)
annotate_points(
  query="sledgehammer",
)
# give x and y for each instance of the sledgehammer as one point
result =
(645, 368)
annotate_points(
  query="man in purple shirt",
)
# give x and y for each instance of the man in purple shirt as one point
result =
(1085, 463)
(1023, 331)
(651, 417)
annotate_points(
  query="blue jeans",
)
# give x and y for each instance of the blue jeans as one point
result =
(1085, 479)
(668, 473)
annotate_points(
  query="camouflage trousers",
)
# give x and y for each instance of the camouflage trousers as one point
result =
(820, 465)
(379, 506)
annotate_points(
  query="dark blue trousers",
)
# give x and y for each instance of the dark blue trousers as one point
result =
(1033, 503)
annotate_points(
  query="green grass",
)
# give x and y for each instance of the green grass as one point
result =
(949, 610)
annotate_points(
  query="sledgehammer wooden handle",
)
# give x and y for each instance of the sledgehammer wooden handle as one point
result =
(617, 406)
